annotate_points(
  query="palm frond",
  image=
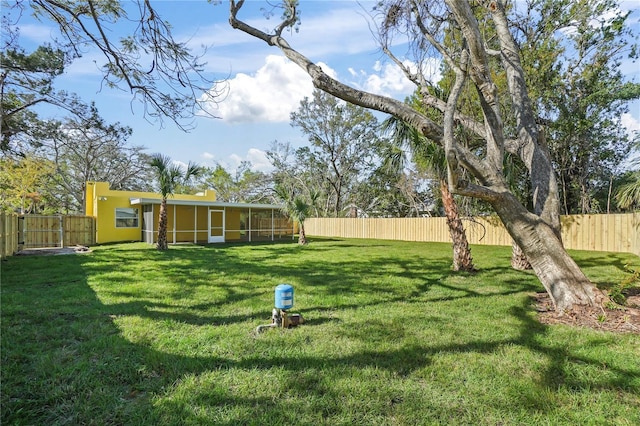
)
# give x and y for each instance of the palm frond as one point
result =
(628, 195)
(193, 170)
(169, 175)
(160, 162)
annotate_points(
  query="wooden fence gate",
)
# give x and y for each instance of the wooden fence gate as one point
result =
(36, 231)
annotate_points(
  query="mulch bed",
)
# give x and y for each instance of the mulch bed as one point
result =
(622, 319)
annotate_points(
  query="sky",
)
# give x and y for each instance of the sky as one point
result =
(264, 87)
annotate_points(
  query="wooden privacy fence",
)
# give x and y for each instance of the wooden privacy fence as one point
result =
(8, 234)
(613, 232)
(35, 231)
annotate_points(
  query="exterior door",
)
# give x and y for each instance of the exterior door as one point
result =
(147, 223)
(216, 226)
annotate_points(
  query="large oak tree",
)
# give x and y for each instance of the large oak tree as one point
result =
(537, 232)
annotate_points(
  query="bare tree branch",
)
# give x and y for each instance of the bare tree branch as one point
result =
(160, 72)
(324, 82)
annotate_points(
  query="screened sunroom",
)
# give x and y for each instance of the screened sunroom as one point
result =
(214, 222)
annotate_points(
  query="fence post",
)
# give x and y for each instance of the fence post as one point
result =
(61, 231)
(4, 235)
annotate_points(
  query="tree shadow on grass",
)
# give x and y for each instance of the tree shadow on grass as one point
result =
(618, 261)
(66, 360)
(307, 376)
(560, 357)
(190, 270)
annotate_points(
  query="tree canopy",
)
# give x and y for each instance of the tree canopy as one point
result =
(472, 59)
(342, 139)
(242, 185)
(572, 51)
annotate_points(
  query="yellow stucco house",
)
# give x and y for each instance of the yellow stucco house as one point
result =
(133, 216)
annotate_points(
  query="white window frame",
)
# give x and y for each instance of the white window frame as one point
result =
(137, 218)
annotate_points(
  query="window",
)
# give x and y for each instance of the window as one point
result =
(126, 218)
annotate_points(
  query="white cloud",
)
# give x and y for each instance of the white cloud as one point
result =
(276, 89)
(257, 158)
(389, 80)
(180, 164)
(432, 70)
(631, 123)
(207, 156)
(269, 95)
(235, 161)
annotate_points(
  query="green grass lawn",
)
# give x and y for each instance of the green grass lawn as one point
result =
(129, 335)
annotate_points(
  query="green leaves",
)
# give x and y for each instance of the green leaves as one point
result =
(343, 140)
(23, 182)
(571, 53)
(170, 175)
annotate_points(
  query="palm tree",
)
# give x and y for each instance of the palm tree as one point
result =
(298, 211)
(169, 177)
(431, 157)
(296, 208)
(628, 194)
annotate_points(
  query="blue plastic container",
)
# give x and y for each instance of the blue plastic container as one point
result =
(284, 296)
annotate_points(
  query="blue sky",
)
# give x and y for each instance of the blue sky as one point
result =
(263, 87)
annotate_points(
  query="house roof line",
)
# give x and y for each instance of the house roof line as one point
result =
(173, 201)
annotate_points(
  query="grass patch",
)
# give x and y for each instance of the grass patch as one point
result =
(130, 335)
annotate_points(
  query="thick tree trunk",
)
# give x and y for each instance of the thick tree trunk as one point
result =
(162, 227)
(537, 234)
(557, 271)
(518, 259)
(462, 260)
